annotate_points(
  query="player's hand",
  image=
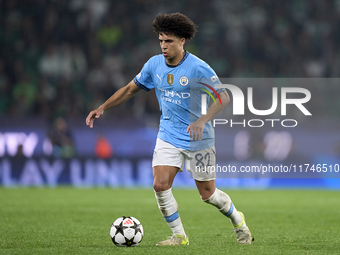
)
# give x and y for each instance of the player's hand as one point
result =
(195, 130)
(95, 114)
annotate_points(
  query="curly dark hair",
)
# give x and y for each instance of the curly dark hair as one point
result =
(176, 24)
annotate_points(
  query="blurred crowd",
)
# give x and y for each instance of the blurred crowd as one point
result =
(62, 58)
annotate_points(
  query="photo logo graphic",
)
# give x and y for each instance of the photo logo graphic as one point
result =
(238, 104)
(204, 97)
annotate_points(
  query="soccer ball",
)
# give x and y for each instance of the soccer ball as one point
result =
(126, 232)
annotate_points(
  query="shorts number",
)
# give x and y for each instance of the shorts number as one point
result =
(199, 157)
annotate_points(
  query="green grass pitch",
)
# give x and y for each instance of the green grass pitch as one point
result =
(77, 221)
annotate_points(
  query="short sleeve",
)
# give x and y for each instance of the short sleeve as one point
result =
(144, 78)
(208, 76)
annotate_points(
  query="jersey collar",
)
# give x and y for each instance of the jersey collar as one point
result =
(184, 58)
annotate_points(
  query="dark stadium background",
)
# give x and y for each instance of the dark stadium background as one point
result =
(61, 59)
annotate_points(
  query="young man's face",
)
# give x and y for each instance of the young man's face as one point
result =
(172, 48)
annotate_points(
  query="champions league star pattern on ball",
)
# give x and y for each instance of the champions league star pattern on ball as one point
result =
(126, 232)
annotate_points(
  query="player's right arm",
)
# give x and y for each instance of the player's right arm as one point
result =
(119, 97)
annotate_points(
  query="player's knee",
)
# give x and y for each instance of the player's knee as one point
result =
(206, 190)
(161, 186)
(206, 194)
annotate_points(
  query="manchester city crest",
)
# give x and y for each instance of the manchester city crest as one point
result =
(184, 80)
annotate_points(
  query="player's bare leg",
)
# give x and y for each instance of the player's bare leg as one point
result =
(205, 188)
(163, 178)
(211, 195)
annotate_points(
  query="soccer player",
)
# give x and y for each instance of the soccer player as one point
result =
(185, 136)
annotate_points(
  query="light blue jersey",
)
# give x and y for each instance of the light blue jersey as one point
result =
(179, 96)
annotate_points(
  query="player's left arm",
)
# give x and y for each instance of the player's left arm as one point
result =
(196, 128)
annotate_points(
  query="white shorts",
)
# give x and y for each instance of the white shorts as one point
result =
(198, 163)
